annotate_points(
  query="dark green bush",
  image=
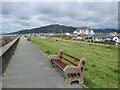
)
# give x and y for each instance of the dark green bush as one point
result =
(105, 42)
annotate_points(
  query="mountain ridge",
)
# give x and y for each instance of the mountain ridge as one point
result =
(56, 28)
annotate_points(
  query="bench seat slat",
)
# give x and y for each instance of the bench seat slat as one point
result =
(59, 63)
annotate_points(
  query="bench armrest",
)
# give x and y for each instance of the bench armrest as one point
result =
(81, 62)
(72, 70)
(55, 57)
(73, 73)
(75, 69)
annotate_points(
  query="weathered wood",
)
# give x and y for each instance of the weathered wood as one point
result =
(28, 39)
(59, 63)
(68, 61)
(70, 56)
(53, 57)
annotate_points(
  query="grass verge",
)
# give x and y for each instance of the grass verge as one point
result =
(101, 70)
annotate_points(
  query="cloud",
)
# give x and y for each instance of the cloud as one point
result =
(22, 15)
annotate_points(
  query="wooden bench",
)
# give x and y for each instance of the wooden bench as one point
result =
(72, 72)
(28, 39)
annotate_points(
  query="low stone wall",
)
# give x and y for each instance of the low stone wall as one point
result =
(6, 53)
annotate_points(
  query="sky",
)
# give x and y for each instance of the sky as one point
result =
(25, 15)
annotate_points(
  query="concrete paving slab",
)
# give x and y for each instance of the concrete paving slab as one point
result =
(29, 68)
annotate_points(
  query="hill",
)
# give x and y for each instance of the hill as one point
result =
(56, 28)
(48, 29)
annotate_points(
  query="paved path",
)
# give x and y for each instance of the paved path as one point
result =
(29, 68)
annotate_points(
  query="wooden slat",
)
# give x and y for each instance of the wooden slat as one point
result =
(68, 61)
(59, 63)
(70, 56)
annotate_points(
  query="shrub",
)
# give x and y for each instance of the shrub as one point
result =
(105, 42)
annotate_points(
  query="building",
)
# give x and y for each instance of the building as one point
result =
(104, 37)
(114, 33)
(84, 31)
(115, 39)
(77, 38)
(68, 34)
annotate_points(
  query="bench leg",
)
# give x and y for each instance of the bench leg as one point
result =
(73, 73)
(67, 82)
(50, 65)
(81, 80)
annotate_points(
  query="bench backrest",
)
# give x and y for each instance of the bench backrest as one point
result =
(61, 53)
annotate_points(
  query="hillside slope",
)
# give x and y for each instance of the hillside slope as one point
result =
(56, 28)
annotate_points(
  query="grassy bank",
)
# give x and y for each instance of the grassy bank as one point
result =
(101, 70)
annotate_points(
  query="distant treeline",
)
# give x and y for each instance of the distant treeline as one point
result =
(107, 30)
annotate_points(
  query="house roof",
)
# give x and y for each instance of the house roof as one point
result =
(102, 35)
(118, 36)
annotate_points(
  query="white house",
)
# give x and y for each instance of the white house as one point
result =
(68, 34)
(77, 38)
(91, 32)
(104, 37)
(50, 34)
(75, 32)
(84, 31)
(115, 39)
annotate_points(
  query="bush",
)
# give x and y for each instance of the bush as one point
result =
(105, 42)
(82, 40)
(48, 52)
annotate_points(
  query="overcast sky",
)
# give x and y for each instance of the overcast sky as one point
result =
(24, 15)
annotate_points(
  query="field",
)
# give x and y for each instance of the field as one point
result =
(101, 70)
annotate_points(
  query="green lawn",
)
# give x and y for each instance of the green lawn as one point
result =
(101, 70)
